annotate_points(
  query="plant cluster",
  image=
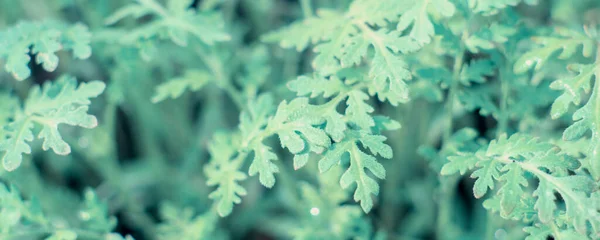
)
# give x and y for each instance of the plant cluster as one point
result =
(309, 119)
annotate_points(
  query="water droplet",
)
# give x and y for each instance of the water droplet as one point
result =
(500, 234)
(315, 211)
(85, 216)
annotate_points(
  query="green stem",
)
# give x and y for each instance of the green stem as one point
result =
(306, 8)
(505, 89)
(458, 62)
(223, 81)
(594, 162)
(448, 184)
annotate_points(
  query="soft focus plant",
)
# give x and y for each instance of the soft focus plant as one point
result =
(308, 119)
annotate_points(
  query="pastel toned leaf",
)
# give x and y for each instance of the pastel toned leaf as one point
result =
(335, 126)
(358, 111)
(16, 144)
(53, 104)
(365, 185)
(300, 160)
(42, 40)
(175, 19)
(193, 80)
(459, 163)
(308, 31)
(263, 166)
(292, 141)
(417, 16)
(573, 87)
(567, 44)
(229, 191)
(545, 204)
(375, 144)
(489, 7)
(511, 191)
(486, 174)
(316, 86)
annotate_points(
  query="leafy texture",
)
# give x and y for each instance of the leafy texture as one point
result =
(506, 160)
(183, 223)
(342, 40)
(48, 106)
(193, 80)
(42, 40)
(176, 20)
(359, 163)
(492, 7)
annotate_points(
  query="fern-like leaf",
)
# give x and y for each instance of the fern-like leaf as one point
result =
(43, 40)
(62, 102)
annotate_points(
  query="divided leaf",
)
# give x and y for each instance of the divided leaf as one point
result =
(193, 80)
(359, 163)
(224, 173)
(490, 7)
(55, 103)
(43, 40)
(567, 44)
(263, 165)
(417, 15)
(178, 21)
(573, 87)
(508, 159)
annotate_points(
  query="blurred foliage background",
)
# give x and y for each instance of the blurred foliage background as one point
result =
(144, 161)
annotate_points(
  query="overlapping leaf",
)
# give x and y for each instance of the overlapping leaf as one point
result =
(511, 158)
(359, 163)
(177, 21)
(42, 40)
(223, 172)
(193, 80)
(61, 102)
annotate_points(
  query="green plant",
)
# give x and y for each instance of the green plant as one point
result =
(309, 119)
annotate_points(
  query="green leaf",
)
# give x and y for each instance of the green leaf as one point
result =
(511, 191)
(307, 31)
(358, 111)
(545, 204)
(365, 185)
(417, 15)
(517, 145)
(177, 20)
(263, 166)
(476, 72)
(94, 214)
(61, 102)
(229, 191)
(224, 173)
(567, 44)
(460, 164)
(486, 175)
(43, 40)
(341, 43)
(183, 223)
(63, 235)
(359, 163)
(193, 80)
(573, 88)
(489, 7)
(375, 144)
(316, 86)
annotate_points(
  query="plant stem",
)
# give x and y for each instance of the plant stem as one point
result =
(448, 184)
(505, 89)
(458, 62)
(306, 8)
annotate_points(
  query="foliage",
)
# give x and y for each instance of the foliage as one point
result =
(308, 119)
